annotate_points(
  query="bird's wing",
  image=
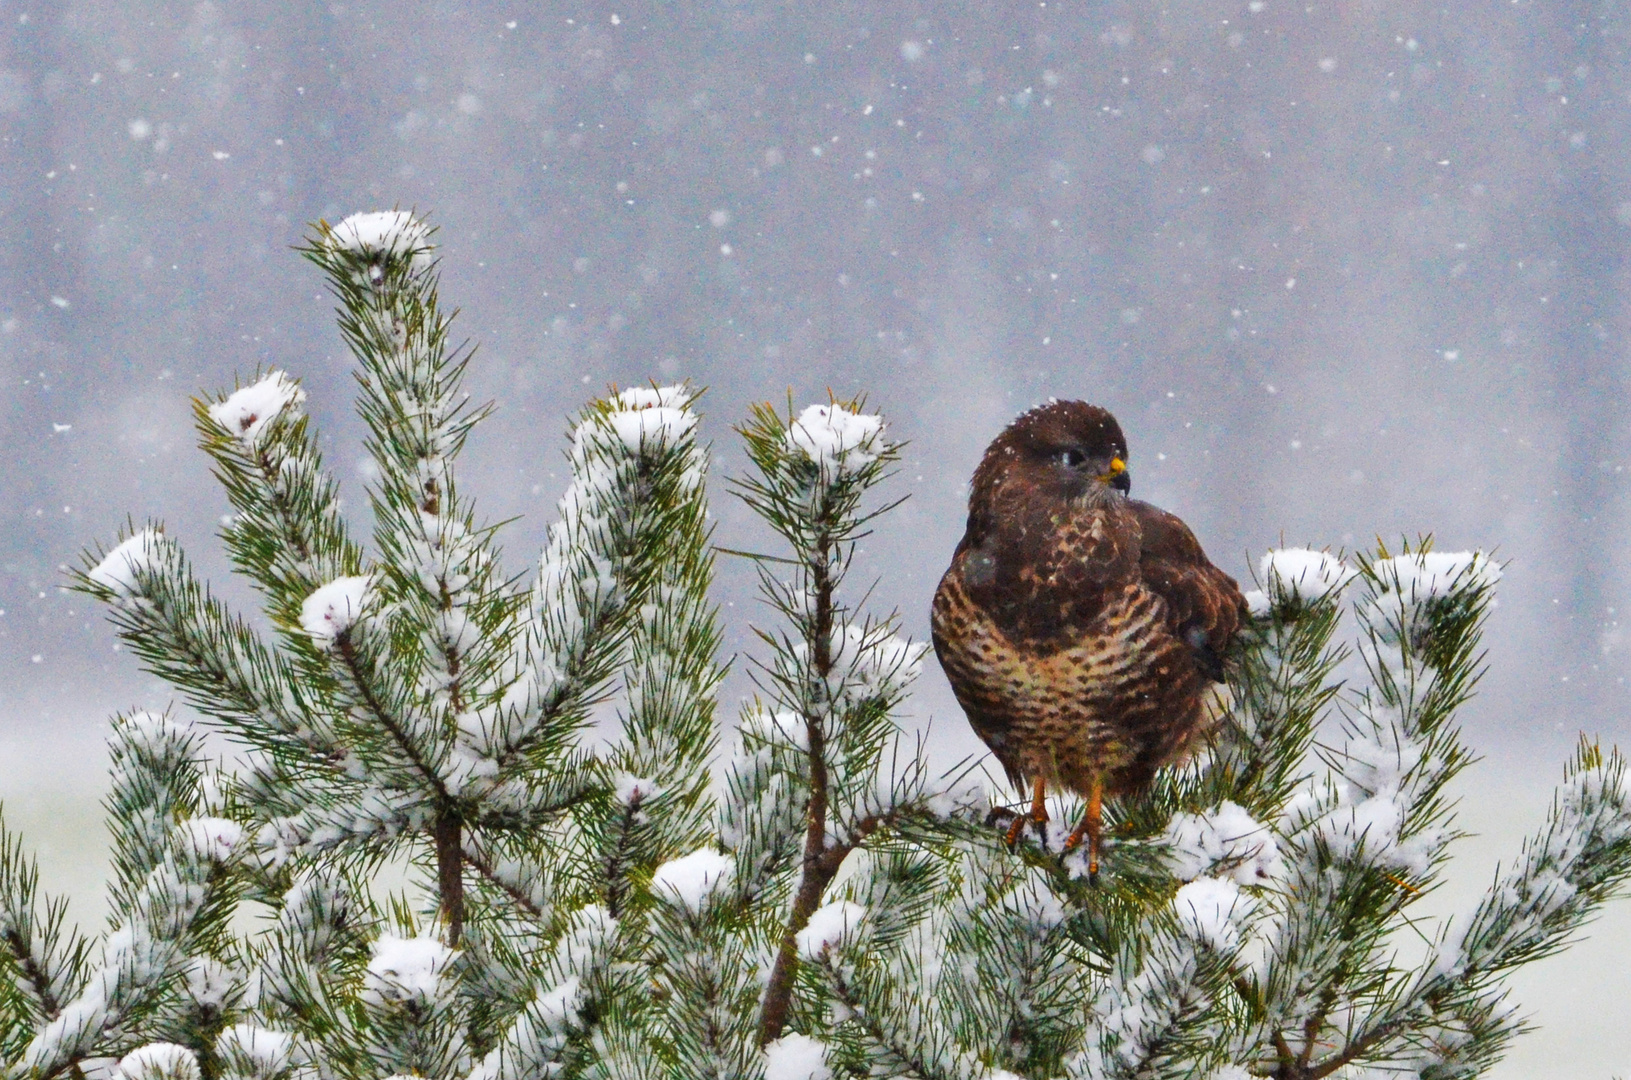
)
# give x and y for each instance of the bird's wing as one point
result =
(1204, 605)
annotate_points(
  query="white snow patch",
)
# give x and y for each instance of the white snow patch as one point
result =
(152, 730)
(869, 662)
(389, 232)
(628, 788)
(209, 839)
(1229, 836)
(1230, 1072)
(159, 1061)
(1207, 909)
(875, 657)
(333, 608)
(210, 982)
(1428, 575)
(406, 969)
(796, 1057)
(829, 926)
(247, 412)
(557, 1006)
(648, 417)
(264, 1051)
(1303, 574)
(118, 569)
(691, 878)
(1258, 602)
(782, 728)
(836, 439)
(964, 800)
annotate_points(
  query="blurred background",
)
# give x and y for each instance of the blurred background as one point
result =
(1343, 270)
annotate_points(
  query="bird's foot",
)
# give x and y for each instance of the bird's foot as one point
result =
(1090, 828)
(1036, 817)
(1074, 841)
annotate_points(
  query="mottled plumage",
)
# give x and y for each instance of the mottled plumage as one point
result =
(1083, 631)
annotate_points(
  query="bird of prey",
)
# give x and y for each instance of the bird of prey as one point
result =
(1083, 631)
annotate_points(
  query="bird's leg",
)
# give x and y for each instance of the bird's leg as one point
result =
(1038, 814)
(1091, 827)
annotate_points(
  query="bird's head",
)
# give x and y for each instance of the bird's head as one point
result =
(1063, 450)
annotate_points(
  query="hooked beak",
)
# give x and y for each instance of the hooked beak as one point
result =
(1118, 477)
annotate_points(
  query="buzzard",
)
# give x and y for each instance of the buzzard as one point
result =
(1083, 631)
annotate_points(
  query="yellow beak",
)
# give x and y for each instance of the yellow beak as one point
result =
(1117, 467)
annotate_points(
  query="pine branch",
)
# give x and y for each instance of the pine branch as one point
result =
(43, 967)
(187, 638)
(288, 534)
(812, 475)
(144, 962)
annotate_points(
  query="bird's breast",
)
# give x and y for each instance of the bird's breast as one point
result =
(1095, 701)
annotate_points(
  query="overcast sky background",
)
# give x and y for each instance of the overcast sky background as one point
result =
(1341, 269)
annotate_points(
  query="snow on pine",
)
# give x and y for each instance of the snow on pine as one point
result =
(247, 413)
(159, 1061)
(332, 609)
(1225, 839)
(1408, 584)
(796, 1057)
(1427, 575)
(868, 661)
(577, 581)
(406, 969)
(1300, 574)
(646, 418)
(836, 439)
(389, 232)
(265, 1052)
(209, 839)
(1590, 814)
(1209, 909)
(154, 732)
(692, 878)
(1363, 810)
(118, 569)
(829, 926)
(211, 983)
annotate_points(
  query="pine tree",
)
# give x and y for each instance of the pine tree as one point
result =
(814, 901)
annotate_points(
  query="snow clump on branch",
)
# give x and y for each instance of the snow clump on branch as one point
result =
(247, 413)
(1208, 910)
(1428, 575)
(254, 1050)
(873, 660)
(406, 969)
(690, 879)
(209, 839)
(1227, 839)
(118, 569)
(836, 439)
(1299, 574)
(152, 731)
(829, 926)
(796, 1057)
(334, 608)
(646, 418)
(158, 1061)
(384, 232)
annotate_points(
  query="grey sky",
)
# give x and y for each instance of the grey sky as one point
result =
(1340, 269)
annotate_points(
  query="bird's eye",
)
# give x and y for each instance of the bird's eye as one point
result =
(1072, 458)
